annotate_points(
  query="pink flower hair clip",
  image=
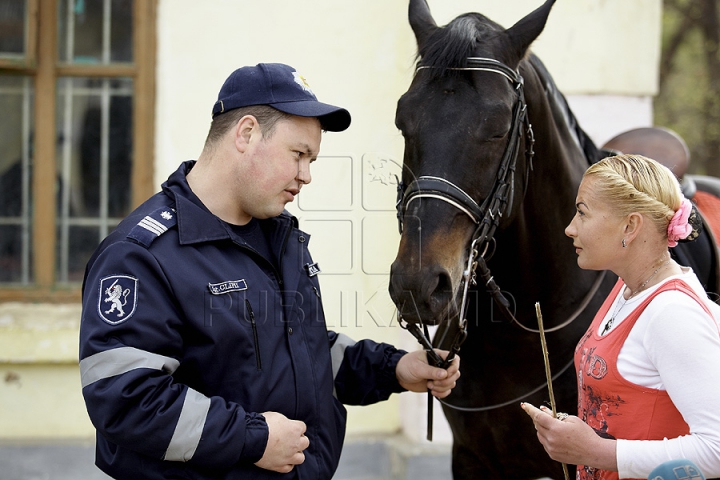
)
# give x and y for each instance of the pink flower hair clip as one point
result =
(679, 227)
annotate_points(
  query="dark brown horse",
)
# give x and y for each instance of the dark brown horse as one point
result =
(494, 156)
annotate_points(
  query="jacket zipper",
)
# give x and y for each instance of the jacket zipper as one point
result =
(282, 252)
(258, 360)
(280, 284)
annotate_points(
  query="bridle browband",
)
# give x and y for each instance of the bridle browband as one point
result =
(441, 189)
(486, 217)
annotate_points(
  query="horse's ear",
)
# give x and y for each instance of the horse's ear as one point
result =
(524, 32)
(421, 21)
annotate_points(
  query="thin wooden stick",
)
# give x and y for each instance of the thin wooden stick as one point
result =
(548, 375)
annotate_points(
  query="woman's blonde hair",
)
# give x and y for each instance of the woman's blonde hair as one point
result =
(633, 183)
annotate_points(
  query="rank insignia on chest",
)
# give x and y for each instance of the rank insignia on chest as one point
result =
(312, 269)
(117, 298)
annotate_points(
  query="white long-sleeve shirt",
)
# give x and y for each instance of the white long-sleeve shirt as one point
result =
(673, 346)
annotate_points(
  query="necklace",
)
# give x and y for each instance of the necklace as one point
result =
(620, 306)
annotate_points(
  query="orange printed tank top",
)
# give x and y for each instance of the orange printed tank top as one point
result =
(610, 404)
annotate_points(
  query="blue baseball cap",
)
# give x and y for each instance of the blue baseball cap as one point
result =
(280, 87)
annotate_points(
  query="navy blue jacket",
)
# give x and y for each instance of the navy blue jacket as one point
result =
(187, 334)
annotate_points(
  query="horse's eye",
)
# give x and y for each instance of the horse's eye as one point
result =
(496, 135)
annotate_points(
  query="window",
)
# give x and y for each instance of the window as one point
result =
(76, 135)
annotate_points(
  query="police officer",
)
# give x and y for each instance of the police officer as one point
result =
(204, 351)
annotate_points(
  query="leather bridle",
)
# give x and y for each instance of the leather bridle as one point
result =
(487, 216)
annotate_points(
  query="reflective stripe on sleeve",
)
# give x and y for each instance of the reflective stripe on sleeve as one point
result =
(189, 428)
(337, 352)
(121, 360)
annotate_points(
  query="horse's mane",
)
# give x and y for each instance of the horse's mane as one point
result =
(451, 45)
(592, 153)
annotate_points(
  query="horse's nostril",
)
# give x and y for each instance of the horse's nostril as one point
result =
(442, 294)
(444, 282)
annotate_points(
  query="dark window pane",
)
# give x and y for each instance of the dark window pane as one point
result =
(16, 98)
(11, 198)
(15, 124)
(12, 27)
(121, 45)
(95, 31)
(95, 154)
(80, 30)
(119, 151)
(88, 155)
(82, 242)
(14, 261)
(94, 161)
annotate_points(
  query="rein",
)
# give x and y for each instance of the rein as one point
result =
(514, 401)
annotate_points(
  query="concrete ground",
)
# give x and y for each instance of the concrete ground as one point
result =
(376, 458)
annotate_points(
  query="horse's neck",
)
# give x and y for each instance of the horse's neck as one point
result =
(561, 149)
(537, 233)
(565, 119)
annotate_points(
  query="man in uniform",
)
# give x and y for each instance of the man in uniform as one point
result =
(204, 351)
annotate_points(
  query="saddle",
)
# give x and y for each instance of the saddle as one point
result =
(668, 148)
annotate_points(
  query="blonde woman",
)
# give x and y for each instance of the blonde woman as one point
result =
(648, 368)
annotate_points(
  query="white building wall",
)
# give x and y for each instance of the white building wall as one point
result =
(603, 54)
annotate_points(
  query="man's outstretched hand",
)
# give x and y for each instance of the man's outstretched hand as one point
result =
(414, 373)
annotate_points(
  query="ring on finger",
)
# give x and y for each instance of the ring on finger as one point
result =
(561, 416)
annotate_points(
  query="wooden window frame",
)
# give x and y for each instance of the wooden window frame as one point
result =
(42, 63)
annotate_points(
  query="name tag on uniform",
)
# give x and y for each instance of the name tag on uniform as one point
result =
(229, 286)
(312, 269)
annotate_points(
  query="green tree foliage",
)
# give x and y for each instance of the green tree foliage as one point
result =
(689, 97)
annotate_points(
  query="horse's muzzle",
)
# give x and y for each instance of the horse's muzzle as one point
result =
(425, 296)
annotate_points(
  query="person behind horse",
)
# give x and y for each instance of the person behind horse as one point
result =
(221, 366)
(647, 368)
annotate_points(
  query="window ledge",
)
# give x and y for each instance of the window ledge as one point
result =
(39, 333)
(40, 295)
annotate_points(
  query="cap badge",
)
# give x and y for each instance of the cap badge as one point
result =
(300, 80)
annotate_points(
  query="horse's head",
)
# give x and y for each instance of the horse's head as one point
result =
(463, 123)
